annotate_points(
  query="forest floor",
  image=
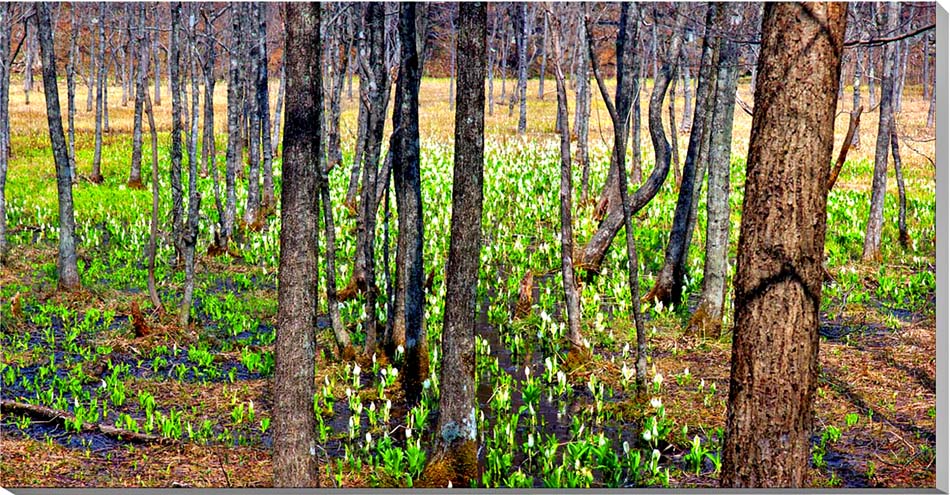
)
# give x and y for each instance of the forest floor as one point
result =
(202, 393)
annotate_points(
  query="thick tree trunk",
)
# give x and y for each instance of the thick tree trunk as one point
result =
(295, 461)
(408, 330)
(872, 237)
(571, 295)
(781, 239)
(135, 174)
(5, 29)
(706, 321)
(669, 282)
(68, 271)
(456, 441)
(96, 176)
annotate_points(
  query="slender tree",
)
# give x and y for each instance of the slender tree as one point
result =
(669, 282)
(875, 226)
(100, 20)
(235, 146)
(190, 231)
(778, 274)
(6, 11)
(135, 174)
(581, 105)
(571, 293)
(295, 461)
(68, 271)
(174, 64)
(71, 88)
(456, 443)
(263, 105)
(521, 28)
(252, 210)
(707, 319)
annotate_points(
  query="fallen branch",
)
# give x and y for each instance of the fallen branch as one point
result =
(744, 105)
(52, 415)
(845, 146)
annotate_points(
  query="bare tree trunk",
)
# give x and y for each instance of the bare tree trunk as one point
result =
(408, 312)
(158, 61)
(521, 26)
(492, 59)
(268, 201)
(779, 274)
(674, 135)
(71, 90)
(856, 97)
(904, 238)
(456, 442)
(252, 210)
(190, 234)
(339, 51)
(593, 253)
(544, 60)
(153, 226)
(90, 85)
(135, 174)
(706, 321)
(96, 176)
(28, 66)
(571, 295)
(872, 238)
(281, 88)
(903, 52)
(686, 122)
(295, 461)
(178, 208)
(5, 30)
(68, 271)
(581, 105)
(235, 147)
(669, 283)
(374, 98)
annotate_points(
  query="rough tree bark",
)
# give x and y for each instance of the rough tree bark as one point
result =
(374, 98)
(408, 330)
(903, 236)
(669, 283)
(234, 149)
(295, 461)
(68, 271)
(174, 64)
(252, 210)
(779, 274)
(873, 234)
(281, 89)
(153, 226)
(707, 319)
(456, 444)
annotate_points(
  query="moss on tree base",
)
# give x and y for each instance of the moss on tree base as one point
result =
(457, 464)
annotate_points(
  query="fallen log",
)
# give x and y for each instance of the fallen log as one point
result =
(62, 417)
